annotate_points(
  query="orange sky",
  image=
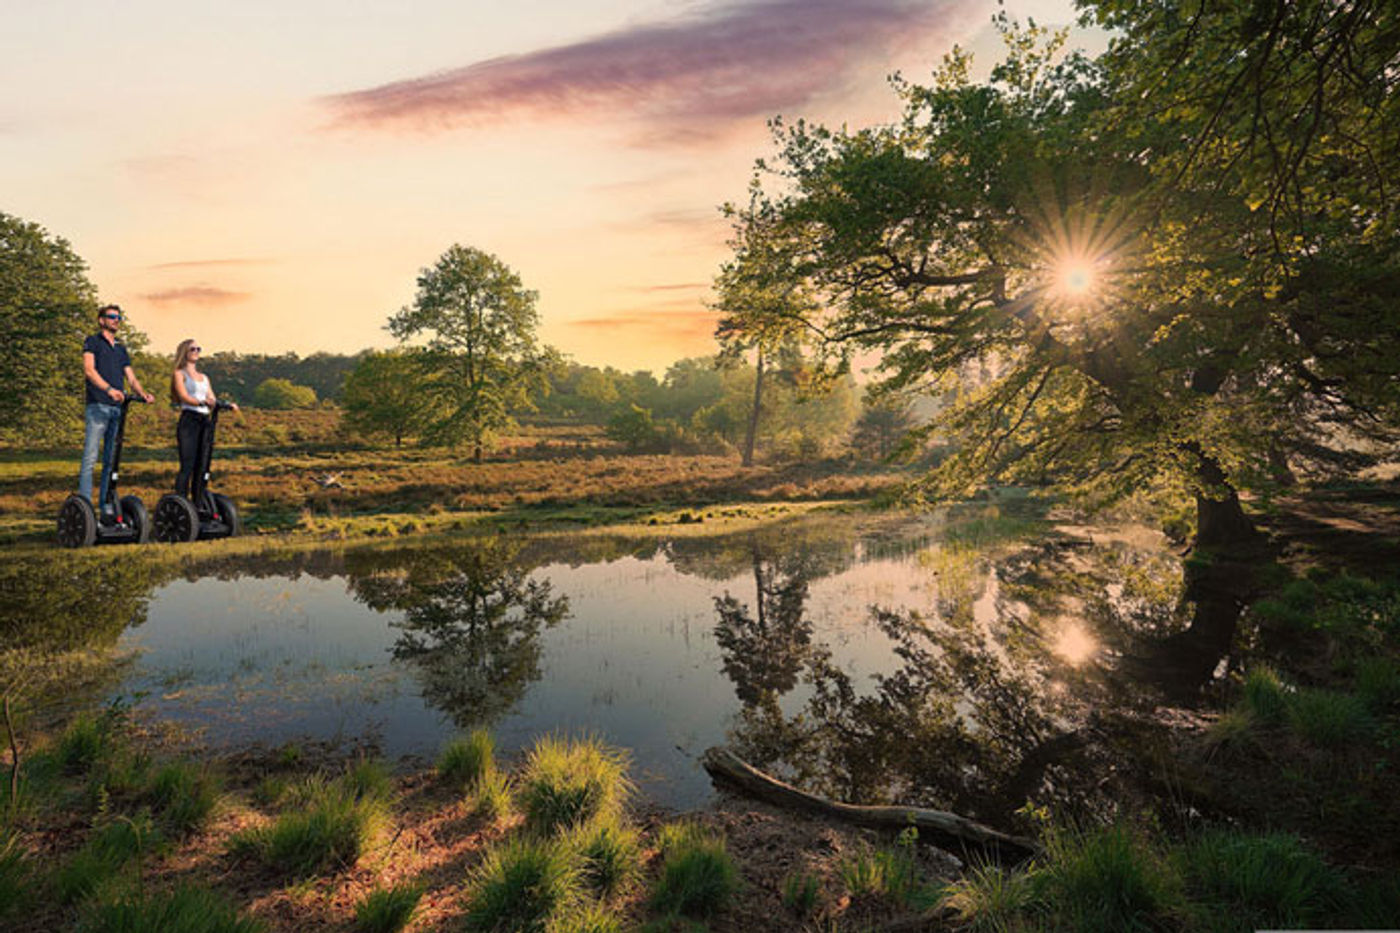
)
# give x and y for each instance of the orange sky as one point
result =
(269, 176)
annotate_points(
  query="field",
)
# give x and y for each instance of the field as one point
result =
(294, 472)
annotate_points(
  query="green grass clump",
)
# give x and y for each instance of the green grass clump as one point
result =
(387, 910)
(800, 892)
(14, 875)
(1329, 719)
(567, 783)
(991, 899)
(368, 778)
(84, 744)
(184, 910)
(494, 798)
(1108, 880)
(330, 828)
(889, 875)
(590, 918)
(183, 795)
(698, 877)
(1244, 882)
(1378, 682)
(465, 762)
(610, 856)
(104, 857)
(524, 886)
(1265, 696)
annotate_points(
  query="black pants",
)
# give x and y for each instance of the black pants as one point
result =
(187, 435)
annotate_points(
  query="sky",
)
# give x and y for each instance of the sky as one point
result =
(272, 175)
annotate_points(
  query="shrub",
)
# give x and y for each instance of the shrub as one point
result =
(609, 855)
(698, 878)
(184, 910)
(1253, 882)
(569, 782)
(387, 910)
(522, 886)
(464, 762)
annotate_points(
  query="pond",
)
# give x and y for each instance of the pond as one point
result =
(872, 656)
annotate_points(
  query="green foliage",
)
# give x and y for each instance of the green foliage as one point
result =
(280, 395)
(105, 856)
(15, 870)
(800, 893)
(466, 761)
(1328, 718)
(184, 910)
(524, 885)
(698, 877)
(1265, 696)
(992, 899)
(1109, 879)
(482, 360)
(883, 874)
(609, 854)
(589, 918)
(633, 427)
(382, 396)
(494, 798)
(569, 782)
(236, 375)
(1246, 882)
(330, 827)
(387, 910)
(183, 795)
(85, 743)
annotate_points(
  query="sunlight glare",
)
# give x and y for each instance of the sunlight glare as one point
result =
(1075, 645)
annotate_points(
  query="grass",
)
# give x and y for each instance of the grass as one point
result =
(698, 878)
(1243, 882)
(991, 899)
(184, 795)
(801, 891)
(184, 910)
(524, 885)
(104, 857)
(85, 742)
(387, 910)
(569, 782)
(1110, 879)
(466, 761)
(330, 827)
(610, 856)
(15, 871)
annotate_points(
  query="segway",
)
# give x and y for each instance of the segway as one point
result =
(79, 525)
(204, 514)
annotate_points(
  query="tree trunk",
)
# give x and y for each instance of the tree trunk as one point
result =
(753, 415)
(1220, 521)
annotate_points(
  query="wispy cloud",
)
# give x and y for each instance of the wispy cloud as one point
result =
(208, 263)
(196, 295)
(676, 287)
(694, 76)
(654, 324)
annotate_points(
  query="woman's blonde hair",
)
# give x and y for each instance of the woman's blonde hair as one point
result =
(182, 356)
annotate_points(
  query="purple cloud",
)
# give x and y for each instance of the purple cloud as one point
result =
(693, 76)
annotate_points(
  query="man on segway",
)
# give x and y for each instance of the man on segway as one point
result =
(106, 365)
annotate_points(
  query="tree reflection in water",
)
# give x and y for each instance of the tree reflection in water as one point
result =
(471, 624)
(764, 649)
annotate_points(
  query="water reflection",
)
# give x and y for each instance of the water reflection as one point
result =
(764, 647)
(471, 623)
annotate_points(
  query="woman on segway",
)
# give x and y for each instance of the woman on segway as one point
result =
(190, 389)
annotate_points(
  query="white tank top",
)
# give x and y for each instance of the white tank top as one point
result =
(198, 390)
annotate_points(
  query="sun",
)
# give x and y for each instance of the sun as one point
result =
(1075, 277)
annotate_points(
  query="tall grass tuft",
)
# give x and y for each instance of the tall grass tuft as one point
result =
(387, 910)
(991, 899)
(330, 829)
(85, 743)
(589, 918)
(569, 782)
(1265, 696)
(800, 892)
(1261, 881)
(184, 910)
(610, 856)
(524, 885)
(184, 795)
(465, 762)
(14, 875)
(1378, 682)
(368, 778)
(494, 799)
(1108, 880)
(1329, 719)
(104, 857)
(698, 877)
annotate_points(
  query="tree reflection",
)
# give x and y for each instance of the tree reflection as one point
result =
(471, 624)
(764, 649)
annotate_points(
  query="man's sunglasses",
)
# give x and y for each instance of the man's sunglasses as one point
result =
(112, 316)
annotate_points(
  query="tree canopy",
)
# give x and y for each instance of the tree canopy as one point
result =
(483, 359)
(1156, 274)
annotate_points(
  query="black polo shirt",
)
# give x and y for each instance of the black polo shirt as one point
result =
(111, 362)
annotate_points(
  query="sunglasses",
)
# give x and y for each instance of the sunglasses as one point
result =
(196, 349)
(113, 317)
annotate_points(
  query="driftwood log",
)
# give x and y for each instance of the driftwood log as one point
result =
(947, 830)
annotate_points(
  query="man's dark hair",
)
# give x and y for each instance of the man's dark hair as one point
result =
(105, 308)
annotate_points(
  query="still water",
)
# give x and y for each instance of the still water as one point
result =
(970, 659)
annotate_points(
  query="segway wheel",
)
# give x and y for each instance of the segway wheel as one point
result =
(175, 520)
(135, 512)
(77, 522)
(228, 514)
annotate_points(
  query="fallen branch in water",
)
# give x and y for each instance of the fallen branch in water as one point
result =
(945, 829)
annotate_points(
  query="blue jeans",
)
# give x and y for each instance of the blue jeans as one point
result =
(101, 423)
